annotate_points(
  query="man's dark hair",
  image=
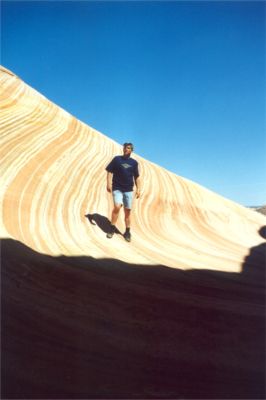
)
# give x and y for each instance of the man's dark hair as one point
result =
(128, 144)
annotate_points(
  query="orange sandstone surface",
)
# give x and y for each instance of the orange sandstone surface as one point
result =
(177, 313)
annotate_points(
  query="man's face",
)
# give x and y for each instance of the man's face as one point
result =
(127, 150)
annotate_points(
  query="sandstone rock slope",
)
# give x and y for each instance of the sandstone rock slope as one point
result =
(53, 176)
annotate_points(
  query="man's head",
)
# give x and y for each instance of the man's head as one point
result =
(127, 149)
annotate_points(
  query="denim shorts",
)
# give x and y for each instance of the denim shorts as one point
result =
(125, 198)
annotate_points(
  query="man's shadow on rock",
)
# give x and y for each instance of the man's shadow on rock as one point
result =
(102, 222)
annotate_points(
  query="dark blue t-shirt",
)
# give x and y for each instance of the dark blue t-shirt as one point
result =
(123, 170)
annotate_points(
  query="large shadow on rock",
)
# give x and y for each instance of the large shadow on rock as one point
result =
(82, 328)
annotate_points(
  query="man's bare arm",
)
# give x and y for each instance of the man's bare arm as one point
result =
(109, 182)
(137, 182)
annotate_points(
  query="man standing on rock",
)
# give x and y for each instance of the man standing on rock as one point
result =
(125, 173)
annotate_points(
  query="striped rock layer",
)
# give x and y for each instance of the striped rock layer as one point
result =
(53, 195)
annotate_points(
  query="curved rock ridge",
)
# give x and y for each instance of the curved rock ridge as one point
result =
(53, 195)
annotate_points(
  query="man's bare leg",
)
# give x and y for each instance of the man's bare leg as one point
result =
(114, 218)
(127, 234)
(127, 217)
(115, 213)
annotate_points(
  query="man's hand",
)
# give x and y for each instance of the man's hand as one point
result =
(109, 188)
(137, 193)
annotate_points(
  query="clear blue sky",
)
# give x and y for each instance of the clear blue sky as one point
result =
(184, 81)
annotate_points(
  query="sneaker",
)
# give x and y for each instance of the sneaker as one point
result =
(127, 236)
(110, 234)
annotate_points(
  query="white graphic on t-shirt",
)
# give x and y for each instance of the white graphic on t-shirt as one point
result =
(125, 165)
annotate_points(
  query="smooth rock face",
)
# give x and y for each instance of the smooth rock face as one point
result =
(176, 313)
(53, 176)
